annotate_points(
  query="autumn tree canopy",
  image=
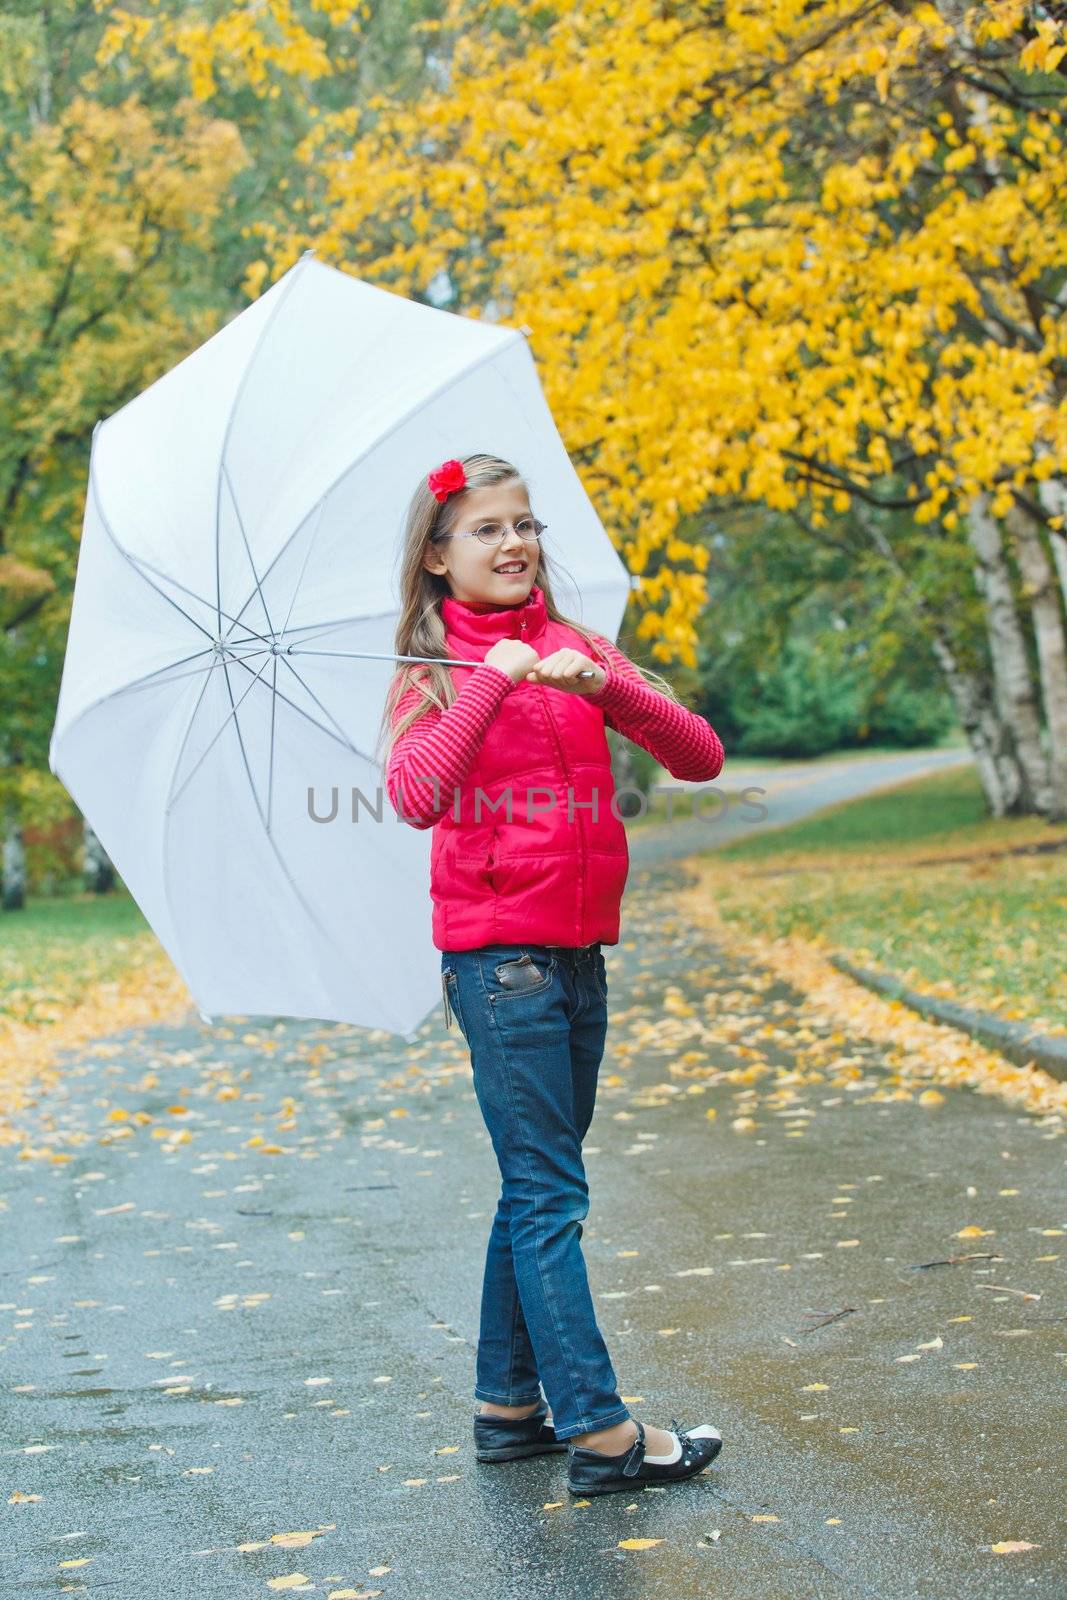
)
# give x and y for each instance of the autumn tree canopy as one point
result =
(808, 257)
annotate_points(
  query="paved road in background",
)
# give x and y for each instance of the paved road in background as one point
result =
(770, 796)
(207, 1345)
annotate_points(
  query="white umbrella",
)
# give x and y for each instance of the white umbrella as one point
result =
(232, 632)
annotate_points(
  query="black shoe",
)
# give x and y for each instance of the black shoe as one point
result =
(590, 1472)
(510, 1438)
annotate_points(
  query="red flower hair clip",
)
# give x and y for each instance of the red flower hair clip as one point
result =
(446, 480)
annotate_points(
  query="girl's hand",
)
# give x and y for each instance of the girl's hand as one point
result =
(512, 657)
(560, 671)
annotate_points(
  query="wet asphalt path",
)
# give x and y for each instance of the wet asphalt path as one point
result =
(207, 1345)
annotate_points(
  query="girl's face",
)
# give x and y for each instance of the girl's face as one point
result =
(471, 568)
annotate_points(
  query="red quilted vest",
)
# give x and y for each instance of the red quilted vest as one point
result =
(547, 873)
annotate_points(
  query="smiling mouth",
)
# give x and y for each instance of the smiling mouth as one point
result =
(511, 571)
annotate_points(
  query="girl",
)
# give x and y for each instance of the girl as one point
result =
(508, 763)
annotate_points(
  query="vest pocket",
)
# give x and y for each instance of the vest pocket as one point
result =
(490, 860)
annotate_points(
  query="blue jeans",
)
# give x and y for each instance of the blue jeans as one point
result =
(535, 1019)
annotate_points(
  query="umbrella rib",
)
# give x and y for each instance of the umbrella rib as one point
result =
(181, 751)
(283, 294)
(270, 767)
(442, 388)
(307, 557)
(234, 708)
(144, 683)
(301, 898)
(337, 622)
(240, 738)
(248, 551)
(137, 565)
(315, 723)
(143, 567)
(140, 562)
(147, 683)
(167, 801)
(324, 709)
(309, 909)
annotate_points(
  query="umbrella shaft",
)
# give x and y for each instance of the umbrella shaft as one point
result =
(371, 655)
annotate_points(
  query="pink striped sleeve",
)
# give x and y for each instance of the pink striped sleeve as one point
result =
(680, 740)
(435, 754)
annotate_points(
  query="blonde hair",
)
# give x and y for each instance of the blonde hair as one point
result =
(420, 629)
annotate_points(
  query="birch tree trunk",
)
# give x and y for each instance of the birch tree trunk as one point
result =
(1052, 496)
(971, 692)
(14, 889)
(1042, 772)
(1051, 639)
(994, 752)
(1013, 686)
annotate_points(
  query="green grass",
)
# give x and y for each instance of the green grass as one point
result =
(53, 950)
(869, 879)
(941, 807)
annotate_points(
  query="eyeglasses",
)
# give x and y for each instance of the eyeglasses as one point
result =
(527, 528)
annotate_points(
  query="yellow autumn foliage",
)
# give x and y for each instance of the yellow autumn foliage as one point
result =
(770, 255)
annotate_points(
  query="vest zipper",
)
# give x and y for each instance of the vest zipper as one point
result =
(578, 814)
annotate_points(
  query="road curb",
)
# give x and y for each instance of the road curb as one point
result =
(1012, 1039)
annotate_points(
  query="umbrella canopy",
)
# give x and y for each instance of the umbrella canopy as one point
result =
(233, 629)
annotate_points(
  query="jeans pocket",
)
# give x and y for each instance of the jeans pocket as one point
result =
(521, 974)
(600, 975)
